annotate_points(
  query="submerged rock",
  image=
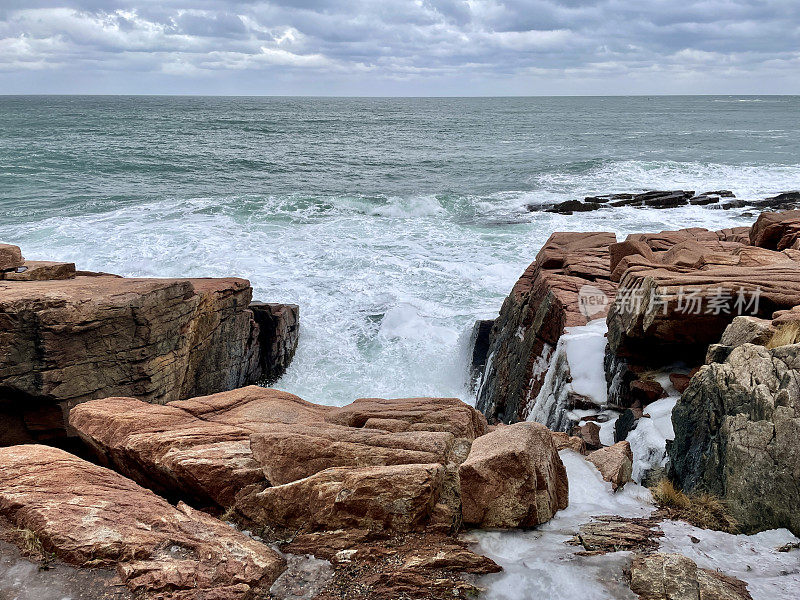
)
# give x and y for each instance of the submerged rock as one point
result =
(88, 515)
(736, 431)
(513, 477)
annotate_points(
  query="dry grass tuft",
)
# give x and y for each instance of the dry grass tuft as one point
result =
(230, 515)
(29, 543)
(786, 334)
(701, 510)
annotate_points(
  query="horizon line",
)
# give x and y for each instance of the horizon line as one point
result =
(213, 95)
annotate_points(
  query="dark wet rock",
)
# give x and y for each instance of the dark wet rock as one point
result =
(605, 198)
(703, 200)
(278, 335)
(570, 206)
(734, 204)
(782, 201)
(624, 425)
(720, 193)
(665, 199)
(736, 430)
(479, 342)
(717, 353)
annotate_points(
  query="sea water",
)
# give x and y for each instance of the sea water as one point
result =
(393, 223)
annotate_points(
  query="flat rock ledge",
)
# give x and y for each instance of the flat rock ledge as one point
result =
(90, 516)
(69, 336)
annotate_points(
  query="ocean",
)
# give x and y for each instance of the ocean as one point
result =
(393, 223)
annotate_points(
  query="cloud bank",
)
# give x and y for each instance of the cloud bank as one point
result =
(400, 47)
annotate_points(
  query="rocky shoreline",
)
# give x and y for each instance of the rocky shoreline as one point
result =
(136, 448)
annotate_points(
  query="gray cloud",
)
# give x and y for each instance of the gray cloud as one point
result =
(400, 47)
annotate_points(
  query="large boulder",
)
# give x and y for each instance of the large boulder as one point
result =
(10, 258)
(675, 577)
(66, 341)
(736, 431)
(776, 230)
(513, 477)
(196, 449)
(89, 515)
(567, 285)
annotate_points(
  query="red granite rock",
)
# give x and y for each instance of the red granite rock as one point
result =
(89, 515)
(513, 477)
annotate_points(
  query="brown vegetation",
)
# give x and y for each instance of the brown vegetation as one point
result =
(701, 510)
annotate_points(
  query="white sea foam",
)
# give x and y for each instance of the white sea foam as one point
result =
(384, 300)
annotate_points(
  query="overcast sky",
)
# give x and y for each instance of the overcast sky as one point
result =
(400, 47)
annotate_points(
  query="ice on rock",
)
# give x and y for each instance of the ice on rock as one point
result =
(576, 367)
(538, 564)
(755, 559)
(649, 439)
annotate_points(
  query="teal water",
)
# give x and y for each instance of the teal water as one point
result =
(394, 223)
